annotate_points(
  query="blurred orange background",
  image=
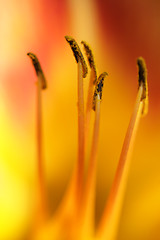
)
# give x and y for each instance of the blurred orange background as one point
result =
(118, 32)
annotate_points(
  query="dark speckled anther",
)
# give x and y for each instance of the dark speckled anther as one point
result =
(38, 69)
(98, 88)
(142, 79)
(77, 54)
(142, 72)
(90, 57)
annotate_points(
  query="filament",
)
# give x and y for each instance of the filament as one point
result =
(88, 209)
(110, 218)
(41, 84)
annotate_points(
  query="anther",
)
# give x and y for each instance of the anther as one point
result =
(77, 54)
(38, 69)
(90, 58)
(98, 88)
(142, 72)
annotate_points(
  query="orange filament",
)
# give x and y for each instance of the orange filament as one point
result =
(110, 218)
(41, 84)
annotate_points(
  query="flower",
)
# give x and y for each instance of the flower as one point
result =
(28, 27)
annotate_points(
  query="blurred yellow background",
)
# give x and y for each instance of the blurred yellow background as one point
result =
(118, 32)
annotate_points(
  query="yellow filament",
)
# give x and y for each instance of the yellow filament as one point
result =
(42, 195)
(81, 134)
(89, 103)
(89, 196)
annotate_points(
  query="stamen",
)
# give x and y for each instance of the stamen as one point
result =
(89, 200)
(92, 82)
(77, 54)
(110, 219)
(41, 84)
(82, 72)
(143, 81)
